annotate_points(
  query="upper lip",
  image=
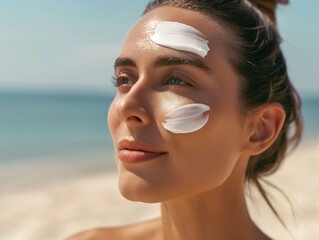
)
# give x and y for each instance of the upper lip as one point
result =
(135, 145)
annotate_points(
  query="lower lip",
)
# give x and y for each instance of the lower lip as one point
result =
(133, 156)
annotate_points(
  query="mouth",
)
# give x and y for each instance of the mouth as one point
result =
(137, 152)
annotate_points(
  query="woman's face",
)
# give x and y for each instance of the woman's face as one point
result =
(155, 164)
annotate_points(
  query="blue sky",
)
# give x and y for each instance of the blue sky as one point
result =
(71, 45)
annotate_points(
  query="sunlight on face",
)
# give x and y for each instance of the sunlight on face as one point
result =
(154, 164)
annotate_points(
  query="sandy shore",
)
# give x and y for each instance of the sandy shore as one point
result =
(55, 209)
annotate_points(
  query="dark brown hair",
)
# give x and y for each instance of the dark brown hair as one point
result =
(261, 65)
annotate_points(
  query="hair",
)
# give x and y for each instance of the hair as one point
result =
(259, 61)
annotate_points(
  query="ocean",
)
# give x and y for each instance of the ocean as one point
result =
(52, 125)
(35, 125)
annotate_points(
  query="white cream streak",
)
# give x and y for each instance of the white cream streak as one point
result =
(180, 36)
(186, 119)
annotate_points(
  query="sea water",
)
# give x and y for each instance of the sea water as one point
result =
(34, 125)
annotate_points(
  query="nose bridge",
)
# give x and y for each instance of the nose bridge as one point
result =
(132, 107)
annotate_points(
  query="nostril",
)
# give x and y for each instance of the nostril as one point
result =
(134, 119)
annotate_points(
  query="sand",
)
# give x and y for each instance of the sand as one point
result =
(54, 209)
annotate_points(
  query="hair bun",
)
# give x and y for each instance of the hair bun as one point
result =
(268, 7)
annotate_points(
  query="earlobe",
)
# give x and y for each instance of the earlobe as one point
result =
(266, 126)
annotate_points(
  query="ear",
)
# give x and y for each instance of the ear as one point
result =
(264, 127)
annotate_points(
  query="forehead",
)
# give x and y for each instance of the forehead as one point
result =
(139, 36)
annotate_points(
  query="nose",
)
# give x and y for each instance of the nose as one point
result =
(132, 107)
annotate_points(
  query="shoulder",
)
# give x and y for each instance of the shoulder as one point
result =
(145, 230)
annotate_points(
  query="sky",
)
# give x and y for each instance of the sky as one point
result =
(71, 45)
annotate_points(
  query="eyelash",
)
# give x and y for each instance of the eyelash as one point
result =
(116, 80)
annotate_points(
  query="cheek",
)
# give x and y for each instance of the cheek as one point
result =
(209, 156)
(209, 161)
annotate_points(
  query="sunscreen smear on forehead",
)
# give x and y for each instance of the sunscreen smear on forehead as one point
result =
(186, 119)
(180, 36)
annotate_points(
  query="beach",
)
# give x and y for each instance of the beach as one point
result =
(58, 80)
(87, 196)
(52, 205)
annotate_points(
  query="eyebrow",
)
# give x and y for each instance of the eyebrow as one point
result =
(172, 60)
(165, 61)
(124, 61)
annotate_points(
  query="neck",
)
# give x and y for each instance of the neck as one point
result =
(220, 213)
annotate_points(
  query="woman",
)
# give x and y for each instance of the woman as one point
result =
(204, 107)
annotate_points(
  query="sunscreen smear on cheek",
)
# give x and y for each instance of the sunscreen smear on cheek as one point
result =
(186, 119)
(180, 36)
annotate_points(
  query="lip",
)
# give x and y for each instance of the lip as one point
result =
(132, 151)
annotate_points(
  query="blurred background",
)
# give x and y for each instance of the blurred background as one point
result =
(56, 62)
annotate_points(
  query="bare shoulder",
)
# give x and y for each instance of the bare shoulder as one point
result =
(150, 229)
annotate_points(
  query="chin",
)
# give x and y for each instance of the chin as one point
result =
(136, 194)
(137, 189)
(139, 198)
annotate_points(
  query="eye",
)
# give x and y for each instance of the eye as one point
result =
(121, 80)
(175, 79)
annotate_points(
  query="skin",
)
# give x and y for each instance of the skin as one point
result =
(199, 180)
